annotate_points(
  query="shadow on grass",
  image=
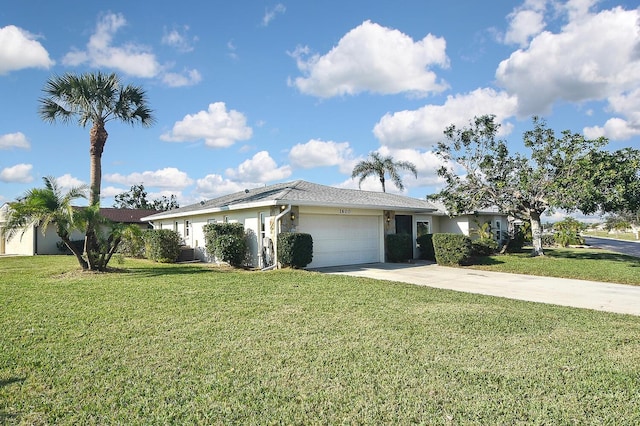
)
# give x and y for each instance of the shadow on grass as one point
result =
(176, 269)
(10, 381)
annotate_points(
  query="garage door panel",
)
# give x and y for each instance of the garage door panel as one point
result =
(342, 240)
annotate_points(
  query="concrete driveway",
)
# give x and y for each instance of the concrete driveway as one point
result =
(619, 298)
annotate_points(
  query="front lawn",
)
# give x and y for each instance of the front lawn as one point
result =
(188, 344)
(584, 264)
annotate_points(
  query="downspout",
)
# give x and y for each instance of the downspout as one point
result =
(275, 242)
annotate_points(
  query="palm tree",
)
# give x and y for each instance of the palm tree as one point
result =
(94, 98)
(379, 166)
(43, 207)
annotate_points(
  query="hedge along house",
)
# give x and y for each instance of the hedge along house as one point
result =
(347, 226)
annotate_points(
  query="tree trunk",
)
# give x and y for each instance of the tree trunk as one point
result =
(536, 233)
(98, 138)
(83, 263)
(382, 182)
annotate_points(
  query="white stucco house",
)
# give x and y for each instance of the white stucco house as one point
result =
(33, 242)
(347, 226)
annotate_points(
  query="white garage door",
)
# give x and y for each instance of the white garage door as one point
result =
(342, 240)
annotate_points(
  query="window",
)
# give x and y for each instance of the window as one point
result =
(262, 225)
(423, 228)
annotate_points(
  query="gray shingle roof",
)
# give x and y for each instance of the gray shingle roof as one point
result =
(300, 192)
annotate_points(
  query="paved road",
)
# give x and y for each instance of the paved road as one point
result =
(625, 247)
(624, 299)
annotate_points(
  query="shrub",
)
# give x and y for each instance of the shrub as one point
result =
(451, 249)
(132, 243)
(484, 247)
(231, 248)
(425, 243)
(567, 232)
(399, 247)
(548, 240)
(295, 249)
(226, 242)
(162, 245)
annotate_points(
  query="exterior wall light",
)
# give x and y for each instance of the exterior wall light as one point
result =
(293, 216)
(388, 217)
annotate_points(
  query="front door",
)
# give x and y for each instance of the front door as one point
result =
(404, 224)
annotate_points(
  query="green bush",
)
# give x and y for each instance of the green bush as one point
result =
(226, 241)
(399, 247)
(295, 249)
(162, 245)
(567, 232)
(484, 247)
(451, 249)
(132, 243)
(231, 249)
(548, 240)
(425, 243)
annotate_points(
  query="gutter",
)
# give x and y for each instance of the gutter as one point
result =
(275, 242)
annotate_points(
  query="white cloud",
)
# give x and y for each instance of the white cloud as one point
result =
(179, 40)
(67, 181)
(187, 78)
(19, 49)
(14, 140)
(261, 168)
(20, 173)
(318, 153)
(132, 59)
(212, 186)
(271, 13)
(167, 178)
(218, 127)
(614, 129)
(376, 59)
(424, 127)
(523, 25)
(593, 57)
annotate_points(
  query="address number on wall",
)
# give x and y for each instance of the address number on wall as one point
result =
(345, 211)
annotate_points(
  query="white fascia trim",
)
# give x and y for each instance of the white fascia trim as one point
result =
(169, 215)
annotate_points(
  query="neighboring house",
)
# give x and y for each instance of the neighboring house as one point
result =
(33, 242)
(347, 226)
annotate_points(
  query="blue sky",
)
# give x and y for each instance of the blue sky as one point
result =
(250, 93)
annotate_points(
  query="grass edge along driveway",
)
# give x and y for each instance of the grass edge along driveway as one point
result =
(190, 344)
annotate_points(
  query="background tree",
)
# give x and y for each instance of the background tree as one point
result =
(379, 166)
(95, 99)
(46, 206)
(557, 175)
(136, 198)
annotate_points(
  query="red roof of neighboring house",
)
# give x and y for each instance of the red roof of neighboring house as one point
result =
(126, 215)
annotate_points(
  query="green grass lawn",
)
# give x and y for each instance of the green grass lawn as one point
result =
(585, 264)
(189, 344)
(629, 236)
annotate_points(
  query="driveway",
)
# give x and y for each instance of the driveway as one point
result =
(619, 298)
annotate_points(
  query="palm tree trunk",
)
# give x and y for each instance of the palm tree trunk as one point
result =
(98, 138)
(83, 263)
(382, 182)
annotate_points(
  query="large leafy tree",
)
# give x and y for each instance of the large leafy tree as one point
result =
(136, 198)
(94, 99)
(379, 166)
(560, 173)
(47, 206)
